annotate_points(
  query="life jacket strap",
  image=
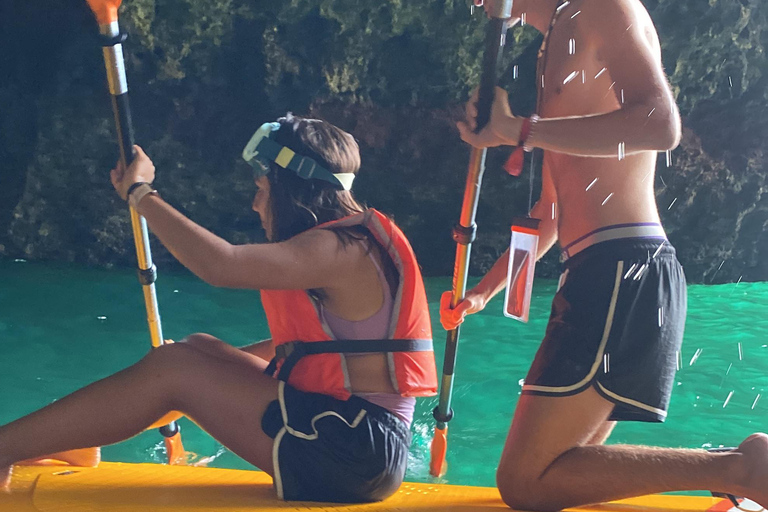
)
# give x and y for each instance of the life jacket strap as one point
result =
(290, 353)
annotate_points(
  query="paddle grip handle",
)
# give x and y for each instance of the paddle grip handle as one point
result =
(494, 42)
(124, 123)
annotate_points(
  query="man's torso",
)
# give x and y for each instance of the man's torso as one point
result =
(592, 192)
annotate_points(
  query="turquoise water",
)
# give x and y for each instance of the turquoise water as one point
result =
(61, 327)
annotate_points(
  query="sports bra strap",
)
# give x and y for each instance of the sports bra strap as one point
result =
(293, 351)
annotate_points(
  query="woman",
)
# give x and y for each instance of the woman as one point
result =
(330, 418)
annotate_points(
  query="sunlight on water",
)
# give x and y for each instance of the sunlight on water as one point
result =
(64, 327)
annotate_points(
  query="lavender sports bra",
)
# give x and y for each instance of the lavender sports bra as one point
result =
(375, 326)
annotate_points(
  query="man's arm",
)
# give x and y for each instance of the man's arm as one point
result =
(623, 35)
(621, 32)
(496, 278)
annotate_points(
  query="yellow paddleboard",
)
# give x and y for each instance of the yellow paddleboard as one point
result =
(117, 487)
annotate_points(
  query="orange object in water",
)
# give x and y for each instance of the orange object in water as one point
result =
(105, 10)
(175, 450)
(437, 464)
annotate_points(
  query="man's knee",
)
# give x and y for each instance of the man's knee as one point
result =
(521, 488)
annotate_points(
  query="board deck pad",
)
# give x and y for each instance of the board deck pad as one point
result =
(119, 487)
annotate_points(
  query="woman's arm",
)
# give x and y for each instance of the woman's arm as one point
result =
(313, 259)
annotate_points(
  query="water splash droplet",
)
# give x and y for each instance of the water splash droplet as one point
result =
(607, 198)
(523, 19)
(661, 316)
(576, 14)
(570, 77)
(679, 359)
(554, 210)
(572, 46)
(621, 150)
(671, 204)
(583, 76)
(728, 371)
(652, 111)
(730, 81)
(622, 96)
(658, 250)
(669, 158)
(591, 184)
(757, 400)
(607, 363)
(631, 269)
(563, 6)
(730, 395)
(696, 356)
(741, 352)
(514, 72)
(599, 73)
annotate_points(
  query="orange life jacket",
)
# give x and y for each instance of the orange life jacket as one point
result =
(310, 359)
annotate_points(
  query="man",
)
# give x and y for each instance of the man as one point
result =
(610, 351)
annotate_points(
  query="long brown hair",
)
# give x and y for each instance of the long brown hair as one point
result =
(298, 204)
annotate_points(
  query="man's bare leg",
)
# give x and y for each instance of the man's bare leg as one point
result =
(226, 398)
(548, 462)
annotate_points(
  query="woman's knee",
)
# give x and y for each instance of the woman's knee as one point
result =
(167, 357)
(198, 338)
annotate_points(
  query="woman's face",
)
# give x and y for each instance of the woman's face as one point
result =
(261, 204)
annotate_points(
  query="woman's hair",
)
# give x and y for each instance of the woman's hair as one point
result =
(298, 204)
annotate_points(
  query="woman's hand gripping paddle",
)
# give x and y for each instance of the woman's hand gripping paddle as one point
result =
(106, 16)
(499, 12)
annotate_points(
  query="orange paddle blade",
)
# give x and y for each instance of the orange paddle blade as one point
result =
(105, 10)
(437, 464)
(175, 450)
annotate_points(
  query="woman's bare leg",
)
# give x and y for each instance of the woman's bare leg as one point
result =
(226, 398)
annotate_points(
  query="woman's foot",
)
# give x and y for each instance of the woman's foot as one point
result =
(754, 450)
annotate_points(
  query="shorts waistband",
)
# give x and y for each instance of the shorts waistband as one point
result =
(644, 230)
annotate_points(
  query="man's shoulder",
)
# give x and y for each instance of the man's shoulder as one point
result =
(609, 14)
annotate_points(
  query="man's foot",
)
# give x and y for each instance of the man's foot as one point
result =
(755, 453)
(5, 479)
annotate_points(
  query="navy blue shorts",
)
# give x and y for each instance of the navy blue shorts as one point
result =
(333, 450)
(616, 324)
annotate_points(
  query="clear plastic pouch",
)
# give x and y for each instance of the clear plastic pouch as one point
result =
(522, 262)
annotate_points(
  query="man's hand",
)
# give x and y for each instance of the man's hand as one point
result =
(503, 129)
(141, 170)
(452, 318)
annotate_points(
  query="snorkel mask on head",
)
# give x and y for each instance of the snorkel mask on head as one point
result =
(262, 146)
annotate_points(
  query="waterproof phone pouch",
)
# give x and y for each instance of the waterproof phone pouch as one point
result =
(522, 261)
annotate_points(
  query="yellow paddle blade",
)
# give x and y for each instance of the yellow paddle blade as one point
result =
(82, 458)
(105, 10)
(437, 464)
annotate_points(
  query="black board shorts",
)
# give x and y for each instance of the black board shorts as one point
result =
(616, 324)
(334, 450)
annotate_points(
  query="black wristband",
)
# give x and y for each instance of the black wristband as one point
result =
(134, 187)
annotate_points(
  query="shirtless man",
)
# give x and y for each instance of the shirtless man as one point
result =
(617, 320)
